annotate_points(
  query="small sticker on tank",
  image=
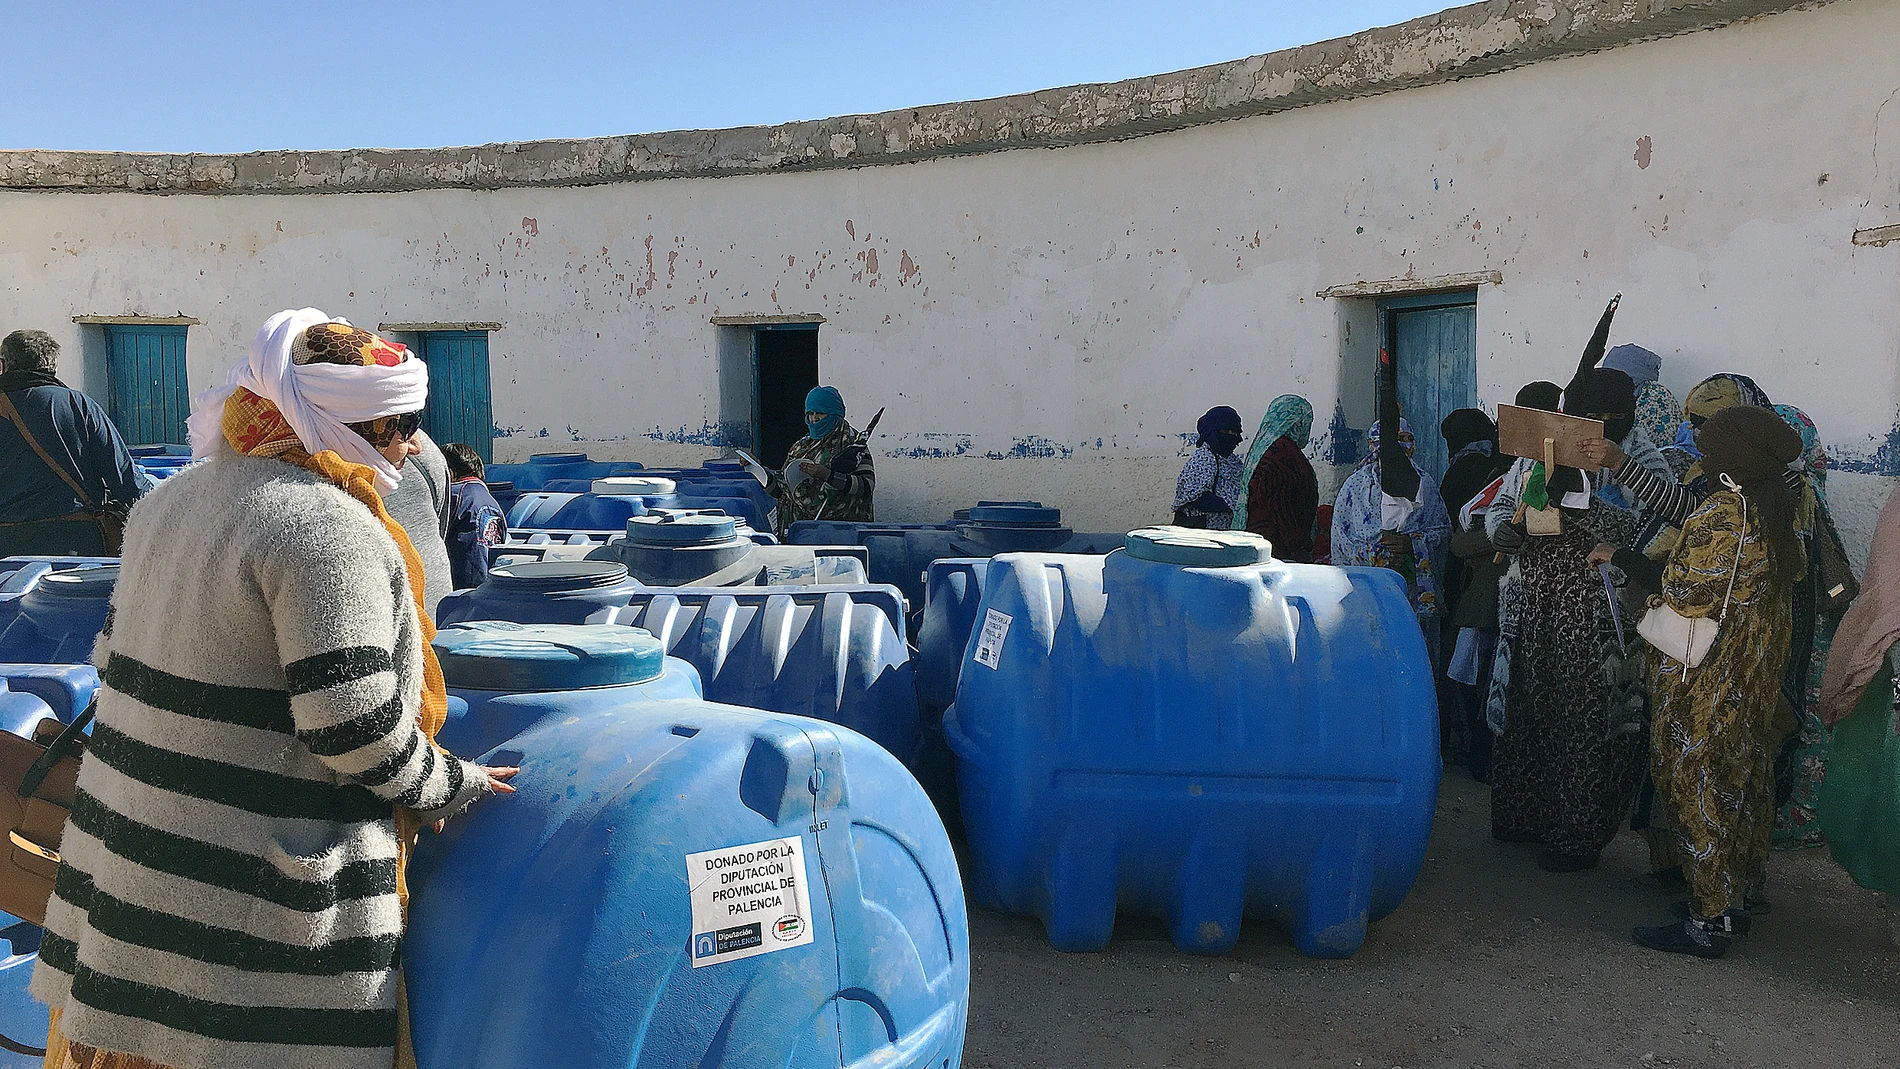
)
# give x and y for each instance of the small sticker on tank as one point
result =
(743, 894)
(989, 645)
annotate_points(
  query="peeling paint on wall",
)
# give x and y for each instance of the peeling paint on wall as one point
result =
(1883, 459)
(1341, 444)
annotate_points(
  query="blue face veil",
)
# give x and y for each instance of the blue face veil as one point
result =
(827, 400)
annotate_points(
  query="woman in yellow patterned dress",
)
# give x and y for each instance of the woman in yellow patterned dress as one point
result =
(1714, 728)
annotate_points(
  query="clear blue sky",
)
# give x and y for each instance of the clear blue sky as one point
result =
(232, 76)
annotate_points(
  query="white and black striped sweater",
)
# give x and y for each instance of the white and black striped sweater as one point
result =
(228, 892)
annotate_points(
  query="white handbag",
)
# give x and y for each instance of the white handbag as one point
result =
(1682, 639)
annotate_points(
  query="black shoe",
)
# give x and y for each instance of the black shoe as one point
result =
(1739, 920)
(1552, 861)
(1702, 939)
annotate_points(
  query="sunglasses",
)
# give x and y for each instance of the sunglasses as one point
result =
(407, 424)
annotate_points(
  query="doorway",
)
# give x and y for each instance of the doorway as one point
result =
(1432, 338)
(459, 408)
(785, 369)
(146, 393)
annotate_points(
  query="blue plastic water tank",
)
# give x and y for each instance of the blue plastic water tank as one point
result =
(900, 554)
(542, 467)
(496, 670)
(709, 548)
(1192, 730)
(637, 902)
(55, 619)
(546, 592)
(30, 693)
(834, 653)
(22, 1017)
(954, 590)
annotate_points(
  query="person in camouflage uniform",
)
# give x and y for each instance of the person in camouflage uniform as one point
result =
(835, 463)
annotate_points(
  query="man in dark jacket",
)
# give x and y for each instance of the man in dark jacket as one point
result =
(49, 494)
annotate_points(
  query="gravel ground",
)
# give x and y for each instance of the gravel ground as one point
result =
(1490, 962)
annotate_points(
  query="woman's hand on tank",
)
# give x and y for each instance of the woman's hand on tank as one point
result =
(815, 470)
(1601, 453)
(498, 777)
(1603, 554)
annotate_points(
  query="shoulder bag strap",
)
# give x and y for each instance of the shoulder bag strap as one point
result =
(61, 745)
(13, 414)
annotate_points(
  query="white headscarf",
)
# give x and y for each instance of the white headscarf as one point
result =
(317, 400)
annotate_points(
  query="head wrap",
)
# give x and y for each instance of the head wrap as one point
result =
(1611, 393)
(1220, 430)
(1657, 413)
(1465, 427)
(338, 376)
(828, 400)
(1638, 363)
(1289, 416)
(1753, 447)
(1372, 441)
(1543, 396)
(1718, 392)
(1813, 454)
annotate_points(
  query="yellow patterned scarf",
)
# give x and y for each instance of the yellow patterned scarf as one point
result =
(255, 428)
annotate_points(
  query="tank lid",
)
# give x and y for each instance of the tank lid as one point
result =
(503, 485)
(1024, 513)
(1198, 549)
(682, 528)
(555, 576)
(558, 458)
(724, 465)
(81, 582)
(633, 486)
(496, 655)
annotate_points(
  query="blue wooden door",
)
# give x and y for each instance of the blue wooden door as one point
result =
(459, 408)
(1433, 340)
(146, 392)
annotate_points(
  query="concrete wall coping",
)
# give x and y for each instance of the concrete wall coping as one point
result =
(1461, 42)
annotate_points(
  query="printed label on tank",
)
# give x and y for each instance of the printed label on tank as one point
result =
(748, 900)
(989, 645)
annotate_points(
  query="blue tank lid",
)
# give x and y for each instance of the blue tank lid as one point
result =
(559, 575)
(557, 458)
(496, 655)
(1198, 549)
(682, 528)
(81, 582)
(1016, 513)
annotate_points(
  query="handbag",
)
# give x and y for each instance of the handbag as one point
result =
(109, 518)
(1683, 639)
(1836, 583)
(37, 784)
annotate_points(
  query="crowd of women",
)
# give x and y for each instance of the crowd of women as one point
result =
(1553, 604)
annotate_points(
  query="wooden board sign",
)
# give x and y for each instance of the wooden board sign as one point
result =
(1522, 431)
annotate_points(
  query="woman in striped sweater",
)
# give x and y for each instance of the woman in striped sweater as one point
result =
(230, 891)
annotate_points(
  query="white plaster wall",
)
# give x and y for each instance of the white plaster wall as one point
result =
(1049, 324)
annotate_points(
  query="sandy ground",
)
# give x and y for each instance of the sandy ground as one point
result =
(1490, 962)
